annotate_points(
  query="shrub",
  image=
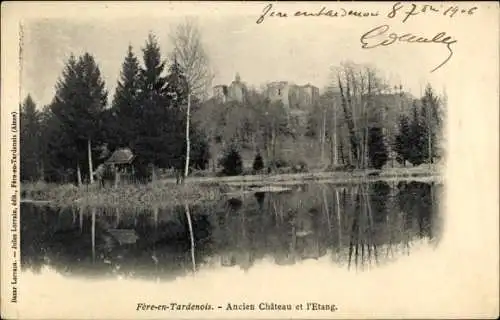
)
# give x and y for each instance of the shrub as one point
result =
(231, 162)
(200, 153)
(258, 163)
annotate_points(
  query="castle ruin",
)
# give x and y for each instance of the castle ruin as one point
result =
(236, 91)
(293, 96)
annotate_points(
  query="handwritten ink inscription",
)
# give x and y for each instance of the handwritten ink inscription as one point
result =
(379, 36)
(268, 11)
(398, 10)
(410, 10)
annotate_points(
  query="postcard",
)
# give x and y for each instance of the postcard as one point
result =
(249, 160)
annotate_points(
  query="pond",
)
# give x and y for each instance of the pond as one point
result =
(357, 227)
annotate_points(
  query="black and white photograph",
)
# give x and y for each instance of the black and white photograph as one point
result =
(250, 160)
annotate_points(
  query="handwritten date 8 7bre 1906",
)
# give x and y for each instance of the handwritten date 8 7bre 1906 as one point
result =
(261, 306)
(407, 10)
(398, 11)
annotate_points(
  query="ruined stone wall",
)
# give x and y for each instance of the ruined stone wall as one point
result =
(236, 92)
(279, 91)
(303, 97)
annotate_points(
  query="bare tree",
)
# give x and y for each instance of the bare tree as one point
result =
(188, 48)
(358, 85)
(189, 52)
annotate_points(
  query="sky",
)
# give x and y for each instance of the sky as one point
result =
(296, 50)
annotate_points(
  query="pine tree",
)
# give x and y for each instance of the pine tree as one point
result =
(402, 140)
(231, 162)
(258, 162)
(46, 168)
(377, 150)
(418, 138)
(30, 143)
(152, 80)
(80, 99)
(149, 144)
(176, 91)
(177, 86)
(61, 144)
(95, 98)
(123, 120)
(63, 105)
(60, 153)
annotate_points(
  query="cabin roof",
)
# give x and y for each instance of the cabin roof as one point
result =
(121, 156)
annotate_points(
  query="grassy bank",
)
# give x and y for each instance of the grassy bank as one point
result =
(127, 196)
(355, 176)
(167, 192)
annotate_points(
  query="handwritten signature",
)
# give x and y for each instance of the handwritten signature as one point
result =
(378, 37)
(381, 35)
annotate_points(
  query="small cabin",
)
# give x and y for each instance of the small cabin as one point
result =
(121, 160)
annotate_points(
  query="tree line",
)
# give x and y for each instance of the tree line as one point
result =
(161, 112)
(76, 132)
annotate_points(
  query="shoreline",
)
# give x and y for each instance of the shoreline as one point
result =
(198, 189)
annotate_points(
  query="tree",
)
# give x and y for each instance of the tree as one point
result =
(123, 121)
(153, 144)
(59, 149)
(314, 121)
(324, 123)
(80, 99)
(348, 109)
(94, 101)
(358, 86)
(189, 51)
(274, 124)
(177, 85)
(30, 144)
(46, 117)
(432, 119)
(258, 163)
(63, 146)
(177, 95)
(200, 151)
(418, 151)
(403, 140)
(231, 162)
(377, 150)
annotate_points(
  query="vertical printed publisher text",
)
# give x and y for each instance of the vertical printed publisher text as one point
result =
(14, 214)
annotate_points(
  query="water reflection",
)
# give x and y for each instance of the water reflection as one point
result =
(359, 226)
